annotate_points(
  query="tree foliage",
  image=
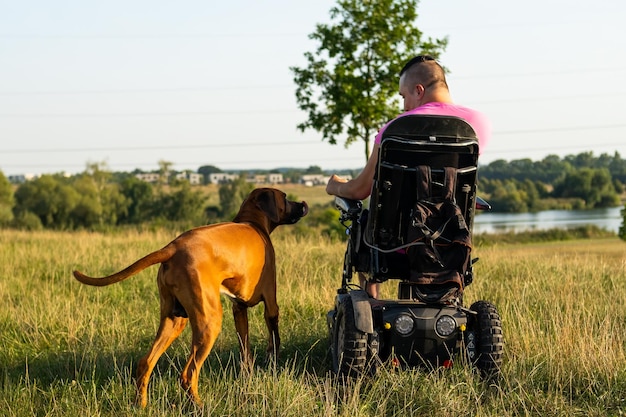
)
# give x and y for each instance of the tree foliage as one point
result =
(141, 201)
(350, 79)
(581, 181)
(183, 205)
(548, 170)
(92, 200)
(207, 170)
(48, 198)
(6, 201)
(232, 195)
(622, 229)
(98, 199)
(553, 168)
(593, 185)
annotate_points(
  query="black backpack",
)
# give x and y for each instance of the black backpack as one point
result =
(439, 255)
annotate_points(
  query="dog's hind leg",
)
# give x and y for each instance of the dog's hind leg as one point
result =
(206, 325)
(169, 329)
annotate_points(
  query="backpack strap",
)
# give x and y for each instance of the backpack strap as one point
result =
(449, 183)
(423, 182)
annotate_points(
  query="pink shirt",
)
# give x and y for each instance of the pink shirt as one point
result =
(476, 119)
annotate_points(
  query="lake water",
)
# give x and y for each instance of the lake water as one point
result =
(486, 222)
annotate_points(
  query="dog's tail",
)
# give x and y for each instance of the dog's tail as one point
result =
(156, 257)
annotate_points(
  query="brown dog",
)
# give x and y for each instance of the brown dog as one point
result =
(235, 258)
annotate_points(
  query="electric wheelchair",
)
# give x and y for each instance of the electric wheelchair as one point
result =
(417, 230)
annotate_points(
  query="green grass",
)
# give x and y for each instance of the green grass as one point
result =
(71, 350)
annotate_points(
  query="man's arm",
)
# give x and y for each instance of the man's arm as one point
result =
(358, 188)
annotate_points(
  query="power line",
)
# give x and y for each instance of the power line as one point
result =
(19, 36)
(537, 74)
(559, 129)
(266, 144)
(292, 143)
(268, 111)
(249, 87)
(147, 90)
(152, 147)
(147, 114)
(291, 162)
(542, 99)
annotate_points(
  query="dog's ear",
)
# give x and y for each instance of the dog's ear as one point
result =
(269, 202)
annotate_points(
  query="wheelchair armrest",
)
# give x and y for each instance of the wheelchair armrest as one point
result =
(348, 206)
(481, 204)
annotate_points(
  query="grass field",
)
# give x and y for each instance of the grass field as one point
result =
(71, 350)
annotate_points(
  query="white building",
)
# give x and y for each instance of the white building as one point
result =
(222, 178)
(314, 179)
(193, 177)
(151, 177)
(275, 178)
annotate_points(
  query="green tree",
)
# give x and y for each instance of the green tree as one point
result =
(165, 168)
(88, 209)
(207, 170)
(49, 198)
(548, 170)
(617, 166)
(622, 228)
(507, 197)
(6, 200)
(351, 81)
(532, 193)
(183, 205)
(582, 160)
(100, 203)
(232, 195)
(140, 197)
(594, 186)
(313, 170)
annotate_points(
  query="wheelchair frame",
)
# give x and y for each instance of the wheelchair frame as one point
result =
(413, 330)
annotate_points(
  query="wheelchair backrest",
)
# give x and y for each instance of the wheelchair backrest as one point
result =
(408, 146)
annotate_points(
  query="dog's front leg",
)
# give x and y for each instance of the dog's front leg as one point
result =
(240, 314)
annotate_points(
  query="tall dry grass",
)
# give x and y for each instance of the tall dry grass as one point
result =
(69, 349)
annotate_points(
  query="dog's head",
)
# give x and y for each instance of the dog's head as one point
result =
(274, 205)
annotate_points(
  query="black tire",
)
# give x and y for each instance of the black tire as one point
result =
(486, 327)
(349, 345)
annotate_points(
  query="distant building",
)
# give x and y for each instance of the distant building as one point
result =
(222, 178)
(193, 177)
(21, 178)
(314, 179)
(275, 178)
(257, 179)
(151, 177)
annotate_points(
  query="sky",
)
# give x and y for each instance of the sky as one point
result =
(130, 83)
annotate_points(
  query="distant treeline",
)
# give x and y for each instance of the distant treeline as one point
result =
(98, 199)
(582, 181)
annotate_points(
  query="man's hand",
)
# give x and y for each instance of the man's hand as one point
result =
(334, 183)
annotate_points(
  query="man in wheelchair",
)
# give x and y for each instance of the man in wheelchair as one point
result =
(424, 90)
(421, 180)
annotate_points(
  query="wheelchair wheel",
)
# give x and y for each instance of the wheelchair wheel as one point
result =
(349, 345)
(486, 328)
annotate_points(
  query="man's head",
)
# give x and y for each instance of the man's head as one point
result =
(423, 80)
